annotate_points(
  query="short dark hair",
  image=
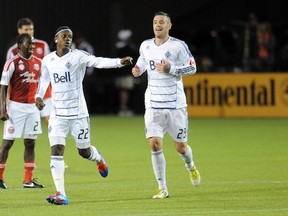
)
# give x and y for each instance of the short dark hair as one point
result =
(22, 37)
(162, 13)
(61, 28)
(24, 21)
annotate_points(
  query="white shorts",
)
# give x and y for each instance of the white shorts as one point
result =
(47, 108)
(58, 130)
(124, 82)
(24, 120)
(174, 121)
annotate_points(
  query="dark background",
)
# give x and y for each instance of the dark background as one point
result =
(100, 21)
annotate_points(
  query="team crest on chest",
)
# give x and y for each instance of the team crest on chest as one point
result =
(68, 65)
(21, 65)
(39, 51)
(168, 54)
(36, 67)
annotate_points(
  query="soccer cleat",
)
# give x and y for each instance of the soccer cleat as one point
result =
(161, 194)
(102, 167)
(2, 185)
(195, 176)
(32, 184)
(58, 199)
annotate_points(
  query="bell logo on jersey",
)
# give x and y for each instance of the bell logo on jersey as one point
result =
(62, 79)
(152, 63)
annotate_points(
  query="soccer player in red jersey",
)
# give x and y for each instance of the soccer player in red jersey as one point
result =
(26, 25)
(21, 117)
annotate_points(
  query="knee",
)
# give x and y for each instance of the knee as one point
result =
(6, 145)
(57, 150)
(181, 147)
(29, 144)
(85, 153)
(155, 144)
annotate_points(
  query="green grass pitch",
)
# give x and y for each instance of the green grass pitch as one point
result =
(243, 165)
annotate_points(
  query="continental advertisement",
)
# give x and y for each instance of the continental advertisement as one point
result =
(237, 95)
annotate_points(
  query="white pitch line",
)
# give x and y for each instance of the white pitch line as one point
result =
(248, 182)
(213, 212)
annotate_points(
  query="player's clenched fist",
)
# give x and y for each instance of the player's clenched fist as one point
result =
(136, 71)
(163, 67)
(39, 103)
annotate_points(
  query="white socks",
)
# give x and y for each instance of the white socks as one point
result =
(159, 167)
(95, 156)
(57, 169)
(188, 158)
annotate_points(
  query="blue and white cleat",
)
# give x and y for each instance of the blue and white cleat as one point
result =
(102, 167)
(58, 199)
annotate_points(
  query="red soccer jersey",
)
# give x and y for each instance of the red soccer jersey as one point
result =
(22, 75)
(41, 49)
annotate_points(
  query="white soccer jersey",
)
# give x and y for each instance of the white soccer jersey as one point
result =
(66, 74)
(165, 90)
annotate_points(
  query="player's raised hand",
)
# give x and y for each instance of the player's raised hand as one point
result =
(136, 71)
(39, 103)
(163, 67)
(126, 60)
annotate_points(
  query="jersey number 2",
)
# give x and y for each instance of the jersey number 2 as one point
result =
(182, 134)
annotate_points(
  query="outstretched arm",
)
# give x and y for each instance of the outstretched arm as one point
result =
(101, 62)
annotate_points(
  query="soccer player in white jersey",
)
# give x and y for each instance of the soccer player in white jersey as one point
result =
(65, 69)
(166, 59)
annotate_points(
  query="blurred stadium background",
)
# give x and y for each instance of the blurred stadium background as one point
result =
(209, 27)
(243, 161)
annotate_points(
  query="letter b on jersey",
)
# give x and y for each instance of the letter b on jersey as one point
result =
(152, 65)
